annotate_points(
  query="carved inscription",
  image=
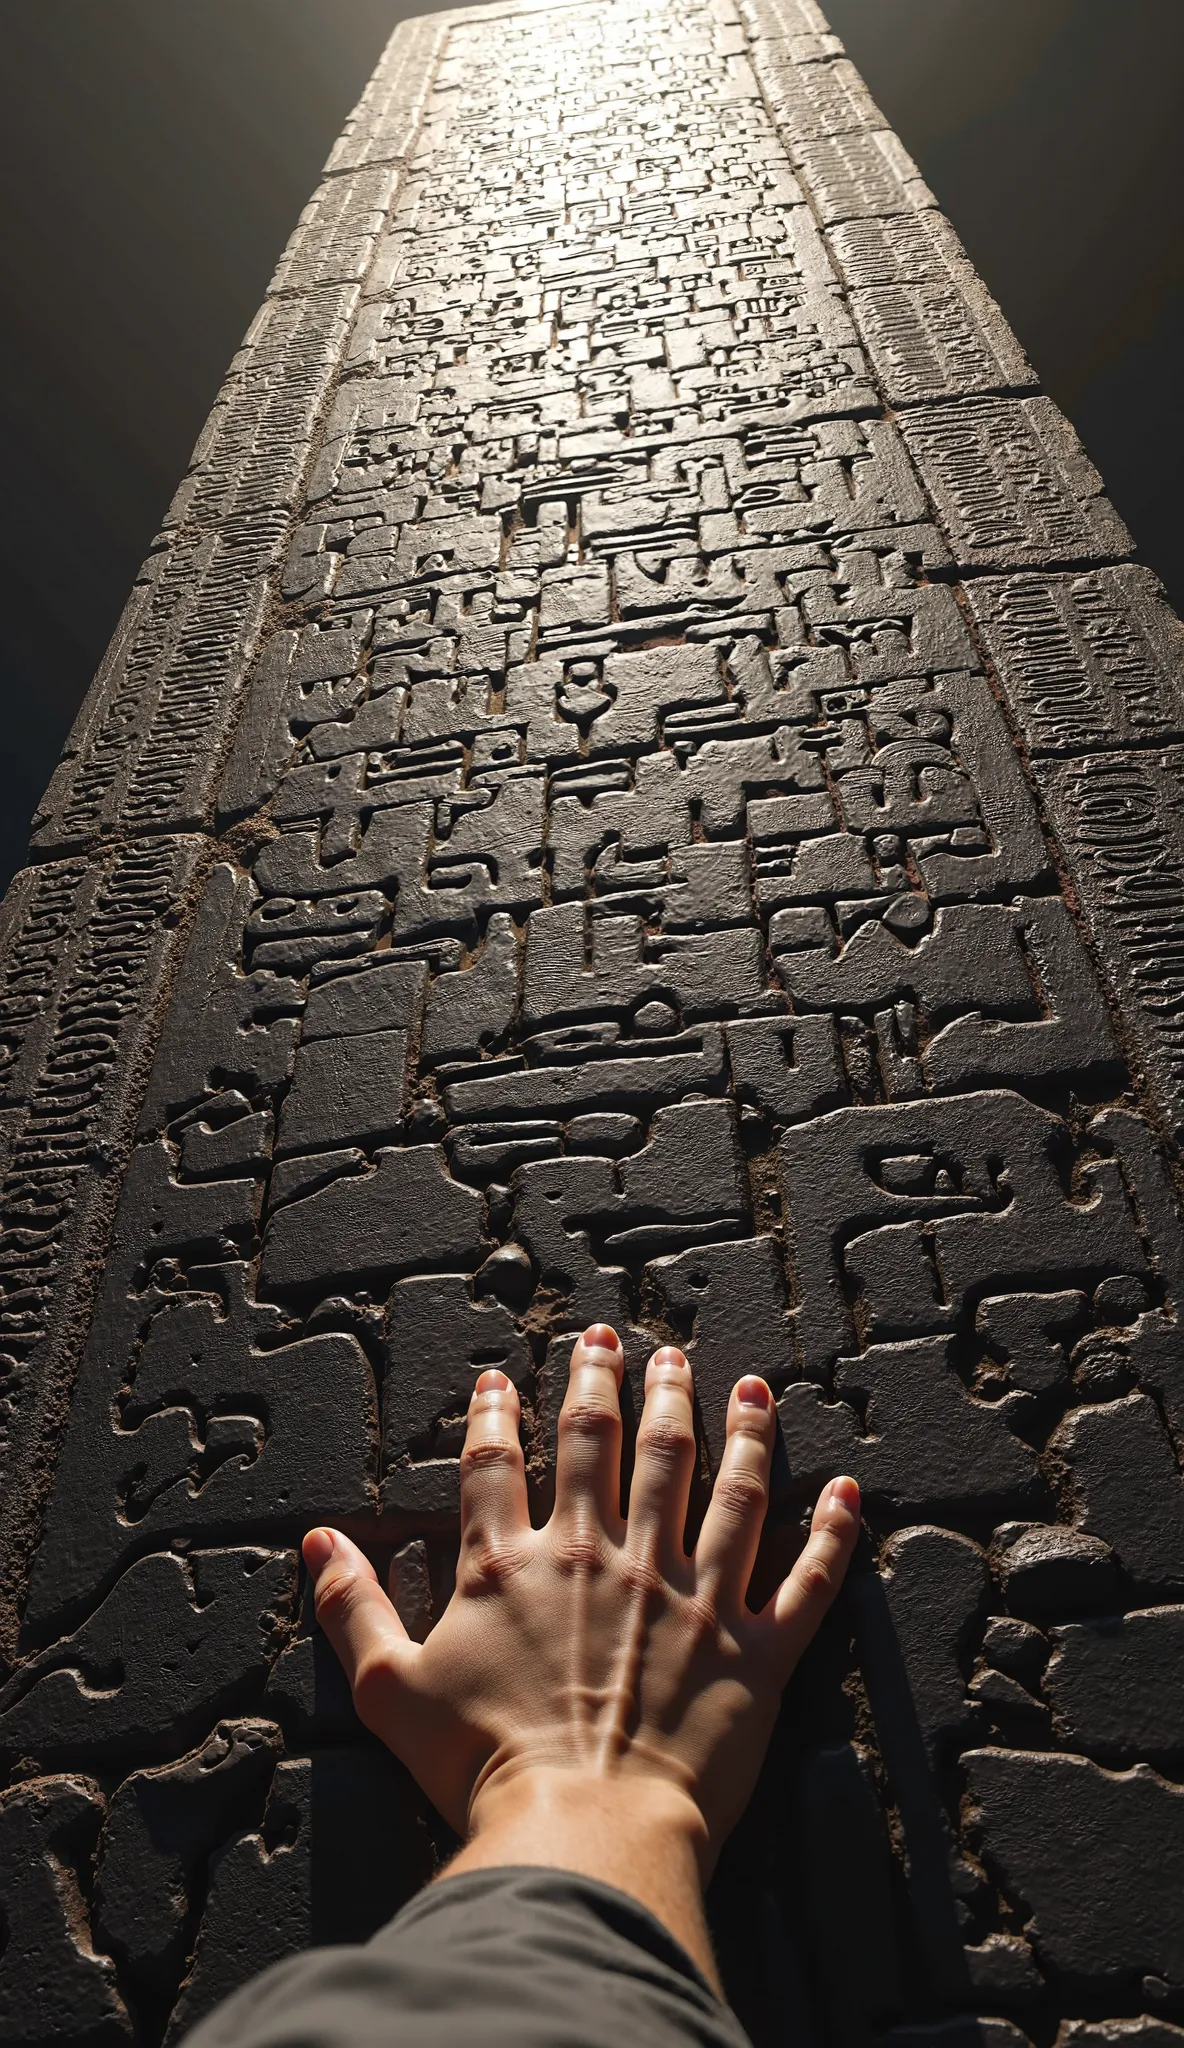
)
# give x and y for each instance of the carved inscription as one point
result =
(638, 784)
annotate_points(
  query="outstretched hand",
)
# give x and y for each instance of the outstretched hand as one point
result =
(593, 1697)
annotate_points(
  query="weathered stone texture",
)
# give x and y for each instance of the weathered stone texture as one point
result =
(638, 782)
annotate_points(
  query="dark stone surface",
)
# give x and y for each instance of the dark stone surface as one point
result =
(1117, 1685)
(1093, 1857)
(1140, 2033)
(842, 1839)
(53, 1984)
(936, 1583)
(638, 783)
(177, 1636)
(338, 1852)
(163, 1826)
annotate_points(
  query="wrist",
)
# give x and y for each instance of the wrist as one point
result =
(641, 1833)
(555, 1801)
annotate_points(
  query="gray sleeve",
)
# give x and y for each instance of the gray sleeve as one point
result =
(518, 1958)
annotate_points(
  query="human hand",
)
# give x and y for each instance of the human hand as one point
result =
(593, 1697)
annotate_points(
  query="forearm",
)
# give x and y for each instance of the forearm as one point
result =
(642, 1836)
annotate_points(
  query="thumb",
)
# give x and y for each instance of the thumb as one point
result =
(370, 1641)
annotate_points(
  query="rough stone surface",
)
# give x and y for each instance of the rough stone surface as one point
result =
(639, 781)
(1093, 1859)
(1117, 1685)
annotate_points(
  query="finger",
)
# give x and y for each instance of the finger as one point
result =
(588, 1460)
(371, 1643)
(493, 1505)
(731, 1532)
(664, 1462)
(801, 1600)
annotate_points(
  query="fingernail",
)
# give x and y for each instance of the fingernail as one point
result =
(669, 1355)
(844, 1492)
(318, 1547)
(754, 1393)
(491, 1381)
(601, 1337)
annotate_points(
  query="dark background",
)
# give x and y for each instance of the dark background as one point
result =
(154, 157)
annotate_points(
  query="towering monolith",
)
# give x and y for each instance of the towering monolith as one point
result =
(638, 781)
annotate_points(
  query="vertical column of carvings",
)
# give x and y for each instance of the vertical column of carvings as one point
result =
(84, 948)
(631, 903)
(1086, 655)
(145, 752)
(89, 943)
(1085, 649)
(89, 935)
